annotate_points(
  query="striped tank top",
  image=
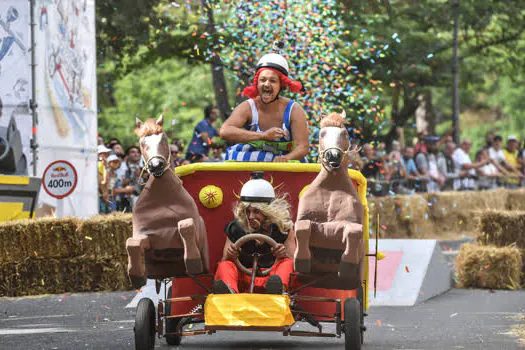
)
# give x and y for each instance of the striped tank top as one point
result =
(242, 152)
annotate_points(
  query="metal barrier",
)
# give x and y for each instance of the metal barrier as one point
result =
(379, 187)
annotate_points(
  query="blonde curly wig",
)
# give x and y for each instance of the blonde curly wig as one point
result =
(277, 212)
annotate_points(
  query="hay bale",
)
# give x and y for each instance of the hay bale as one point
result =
(45, 237)
(389, 222)
(516, 200)
(36, 275)
(106, 235)
(502, 228)
(459, 211)
(412, 214)
(488, 267)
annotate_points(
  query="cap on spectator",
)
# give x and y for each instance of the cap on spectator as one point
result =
(102, 149)
(512, 138)
(112, 157)
(431, 138)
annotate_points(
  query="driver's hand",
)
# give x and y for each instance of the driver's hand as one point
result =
(279, 251)
(232, 252)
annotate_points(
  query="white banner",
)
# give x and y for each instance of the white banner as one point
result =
(15, 88)
(66, 90)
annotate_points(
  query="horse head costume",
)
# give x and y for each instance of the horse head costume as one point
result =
(169, 236)
(329, 226)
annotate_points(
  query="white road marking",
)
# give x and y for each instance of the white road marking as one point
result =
(148, 291)
(12, 331)
(18, 318)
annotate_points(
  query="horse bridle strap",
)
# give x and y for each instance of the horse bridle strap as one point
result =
(146, 166)
(321, 154)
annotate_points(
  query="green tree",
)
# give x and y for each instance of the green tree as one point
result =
(170, 87)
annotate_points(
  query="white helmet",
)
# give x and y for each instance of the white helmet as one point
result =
(257, 189)
(275, 61)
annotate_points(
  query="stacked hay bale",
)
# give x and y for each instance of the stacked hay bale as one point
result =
(442, 215)
(64, 255)
(480, 266)
(498, 260)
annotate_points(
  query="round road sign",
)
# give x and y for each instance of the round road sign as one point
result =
(60, 179)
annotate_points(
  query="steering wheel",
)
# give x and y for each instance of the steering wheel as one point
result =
(252, 237)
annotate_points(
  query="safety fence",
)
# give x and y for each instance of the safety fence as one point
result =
(379, 187)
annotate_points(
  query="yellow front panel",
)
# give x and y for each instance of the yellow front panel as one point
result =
(12, 211)
(14, 180)
(248, 310)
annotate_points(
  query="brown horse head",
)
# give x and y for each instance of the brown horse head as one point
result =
(334, 142)
(154, 145)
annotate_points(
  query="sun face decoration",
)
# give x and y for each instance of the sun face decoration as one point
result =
(211, 196)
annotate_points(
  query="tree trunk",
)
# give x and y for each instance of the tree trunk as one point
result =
(217, 69)
(455, 71)
(425, 120)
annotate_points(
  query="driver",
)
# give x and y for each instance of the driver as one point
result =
(259, 211)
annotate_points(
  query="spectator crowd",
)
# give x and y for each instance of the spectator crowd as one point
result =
(428, 164)
(433, 164)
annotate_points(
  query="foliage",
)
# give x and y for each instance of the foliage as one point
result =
(169, 87)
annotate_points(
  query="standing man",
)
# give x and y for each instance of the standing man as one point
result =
(202, 134)
(510, 153)
(462, 159)
(268, 127)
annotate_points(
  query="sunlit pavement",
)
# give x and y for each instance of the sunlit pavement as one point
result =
(459, 319)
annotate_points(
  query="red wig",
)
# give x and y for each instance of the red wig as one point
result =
(252, 91)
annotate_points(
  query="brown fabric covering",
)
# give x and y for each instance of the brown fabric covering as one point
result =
(162, 204)
(331, 208)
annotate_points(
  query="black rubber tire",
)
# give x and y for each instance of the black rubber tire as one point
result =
(360, 297)
(145, 325)
(352, 324)
(170, 324)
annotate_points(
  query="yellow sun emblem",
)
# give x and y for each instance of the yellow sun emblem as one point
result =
(211, 196)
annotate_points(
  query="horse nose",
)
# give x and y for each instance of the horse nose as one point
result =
(333, 157)
(156, 164)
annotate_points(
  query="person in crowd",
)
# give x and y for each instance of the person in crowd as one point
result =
(427, 165)
(514, 177)
(268, 127)
(489, 139)
(259, 211)
(115, 184)
(113, 141)
(130, 173)
(103, 153)
(176, 155)
(462, 158)
(488, 174)
(100, 140)
(449, 170)
(374, 170)
(497, 156)
(118, 150)
(397, 171)
(204, 132)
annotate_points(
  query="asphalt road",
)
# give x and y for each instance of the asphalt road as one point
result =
(459, 319)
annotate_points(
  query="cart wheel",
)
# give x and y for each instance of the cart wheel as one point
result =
(362, 309)
(170, 324)
(352, 324)
(145, 325)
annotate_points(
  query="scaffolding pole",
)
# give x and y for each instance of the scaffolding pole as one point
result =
(32, 103)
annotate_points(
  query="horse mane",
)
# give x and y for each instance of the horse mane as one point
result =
(149, 127)
(333, 119)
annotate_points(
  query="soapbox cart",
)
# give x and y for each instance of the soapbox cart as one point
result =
(189, 308)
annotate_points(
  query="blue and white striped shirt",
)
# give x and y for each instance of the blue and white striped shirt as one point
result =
(242, 152)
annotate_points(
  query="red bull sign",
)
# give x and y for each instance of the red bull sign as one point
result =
(60, 179)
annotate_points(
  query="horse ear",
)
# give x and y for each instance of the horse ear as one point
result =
(160, 120)
(138, 123)
(343, 115)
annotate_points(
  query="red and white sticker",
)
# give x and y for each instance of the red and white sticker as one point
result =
(60, 179)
